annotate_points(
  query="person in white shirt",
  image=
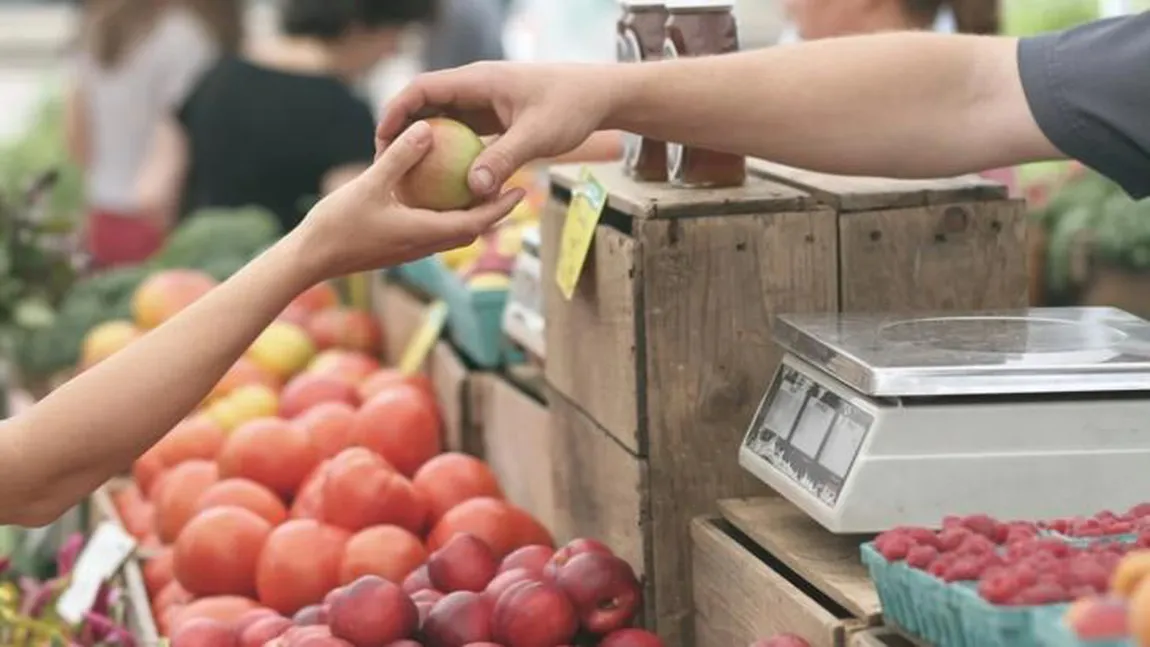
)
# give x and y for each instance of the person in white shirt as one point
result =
(136, 63)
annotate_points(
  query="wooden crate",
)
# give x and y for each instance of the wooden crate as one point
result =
(921, 245)
(789, 576)
(661, 356)
(140, 620)
(516, 443)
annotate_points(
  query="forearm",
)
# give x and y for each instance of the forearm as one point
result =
(96, 424)
(900, 105)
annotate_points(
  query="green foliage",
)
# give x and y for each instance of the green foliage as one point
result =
(1028, 17)
(42, 148)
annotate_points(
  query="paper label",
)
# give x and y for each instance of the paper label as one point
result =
(587, 202)
(424, 339)
(105, 553)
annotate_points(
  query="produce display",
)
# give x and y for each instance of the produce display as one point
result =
(28, 615)
(1013, 582)
(308, 501)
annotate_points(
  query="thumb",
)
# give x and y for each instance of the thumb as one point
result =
(401, 154)
(499, 161)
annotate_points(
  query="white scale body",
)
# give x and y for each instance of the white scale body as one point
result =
(523, 321)
(876, 421)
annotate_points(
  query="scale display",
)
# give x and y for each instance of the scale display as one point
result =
(809, 433)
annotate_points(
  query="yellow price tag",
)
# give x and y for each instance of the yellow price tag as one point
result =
(424, 339)
(587, 202)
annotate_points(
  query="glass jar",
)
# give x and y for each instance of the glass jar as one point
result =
(640, 35)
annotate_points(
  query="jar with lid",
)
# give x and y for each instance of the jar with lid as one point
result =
(701, 28)
(639, 38)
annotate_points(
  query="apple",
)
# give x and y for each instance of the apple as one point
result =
(439, 181)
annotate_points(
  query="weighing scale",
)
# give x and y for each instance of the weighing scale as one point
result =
(875, 421)
(522, 317)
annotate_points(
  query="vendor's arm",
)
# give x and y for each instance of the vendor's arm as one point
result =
(95, 425)
(899, 104)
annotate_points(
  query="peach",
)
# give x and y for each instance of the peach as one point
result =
(426, 595)
(163, 294)
(531, 558)
(390, 552)
(264, 630)
(106, 339)
(346, 328)
(459, 619)
(250, 618)
(505, 580)
(309, 390)
(349, 365)
(1096, 619)
(642, 638)
(465, 563)
(329, 427)
(569, 551)
(315, 614)
(372, 612)
(531, 614)
(203, 632)
(1131, 572)
(439, 181)
(604, 590)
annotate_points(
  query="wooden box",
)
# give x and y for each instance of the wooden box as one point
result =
(657, 363)
(764, 568)
(131, 578)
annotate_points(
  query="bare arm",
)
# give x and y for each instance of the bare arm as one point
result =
(904, 105)
(76, 125)
(94, 426)
(164, 171)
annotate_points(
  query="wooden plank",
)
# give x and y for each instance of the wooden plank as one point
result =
(739, 598)
(600, 488)
(517, 445)
(881, 637)
(140, 621)
(400, 313)
(660, 200)
(831, 563)
(942, 258)
(713, 286)
(449, 377)
(591, 340)
(858, 193)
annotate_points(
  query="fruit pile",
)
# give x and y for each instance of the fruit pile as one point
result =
(1123, 613)
(463, 595)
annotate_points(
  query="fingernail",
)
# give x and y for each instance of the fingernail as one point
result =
(483, 179)
(419, 132)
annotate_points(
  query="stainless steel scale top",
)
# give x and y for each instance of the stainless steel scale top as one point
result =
(1028, 351)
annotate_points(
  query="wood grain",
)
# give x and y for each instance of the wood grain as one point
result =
(829, 562)
(881, 637)
(517, 446)
(646, 200)
(591, 339)
(712, 286)
(740, 599)
(449, 381)
(968, 256)
(857, 193)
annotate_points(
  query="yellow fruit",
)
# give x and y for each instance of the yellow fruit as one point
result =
(509, 240)
(1130, 573)
(104, 340)
(524, 212)
(460, 256)
(489, 281)
(246, 403)
(1140, 613)
(283, 349)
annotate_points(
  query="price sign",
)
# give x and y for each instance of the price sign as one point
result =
(105, 553)
(587, 202)
(424, 339)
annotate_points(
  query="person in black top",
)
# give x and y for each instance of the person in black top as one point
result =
(281, 126)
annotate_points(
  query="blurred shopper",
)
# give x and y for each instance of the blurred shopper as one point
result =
(137, 60)
(466, 31)
(281, 125)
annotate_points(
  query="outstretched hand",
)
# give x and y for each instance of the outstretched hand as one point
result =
(539, 111)
(362, 226)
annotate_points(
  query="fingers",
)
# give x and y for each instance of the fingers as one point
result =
(449, 229)
(499, 161)
(402, 154)
(459, 90)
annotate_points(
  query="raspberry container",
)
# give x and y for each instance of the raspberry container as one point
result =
(1082, 542)
(1053, 632)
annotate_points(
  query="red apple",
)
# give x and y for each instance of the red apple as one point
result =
(372, 612)
(417, 580)
(532, 558)
(459, 619)
(464, 563)
(604, 590)
(534, 614)
(573, 548)
(505, 580)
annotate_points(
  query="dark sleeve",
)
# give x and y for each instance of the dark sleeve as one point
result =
(1089, 90)
(350, 138)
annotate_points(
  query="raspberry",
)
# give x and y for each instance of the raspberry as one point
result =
(999, 587)
(1117, 527)
(896, 547)
(951, 521)
(921, 556)
(975, 545)
(940, 565)
(982, 524)
(963, 570)
(1140, 510)
(951, 538)
(1041, 593)
(1060, 526)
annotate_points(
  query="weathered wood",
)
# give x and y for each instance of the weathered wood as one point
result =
(449, 380)
(831, 563)
(517, 446)
(646, 200)
(969, 256)
(857, 193)
(881, 637)
(712, 286)
(591, 348)
(400, 313)
(740, 598)
(600, 487)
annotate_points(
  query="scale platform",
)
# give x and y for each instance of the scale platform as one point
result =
(875, 421)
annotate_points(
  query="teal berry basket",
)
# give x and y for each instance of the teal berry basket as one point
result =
(1083, 542)
(990, 625)
(1053, 632)
(474, 316)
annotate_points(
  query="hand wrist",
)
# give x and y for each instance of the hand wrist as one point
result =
(299, 259)
(624, 85)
